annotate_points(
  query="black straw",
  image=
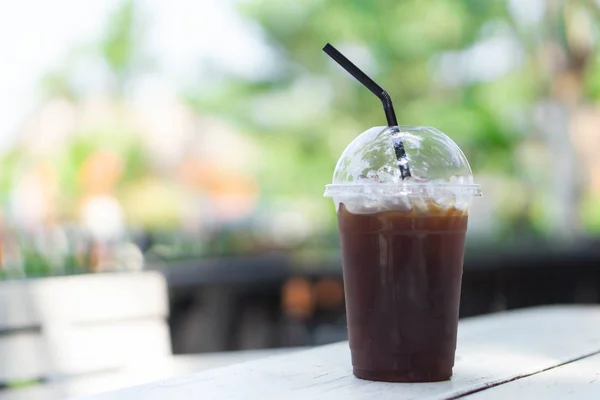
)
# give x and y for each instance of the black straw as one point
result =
(369, 83)
(385, 98)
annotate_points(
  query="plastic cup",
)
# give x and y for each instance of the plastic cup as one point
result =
(402, 251)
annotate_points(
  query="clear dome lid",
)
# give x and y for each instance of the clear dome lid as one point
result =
(368, 167)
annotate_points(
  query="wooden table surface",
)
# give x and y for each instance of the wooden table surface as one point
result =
(137, 374)
(543, 352)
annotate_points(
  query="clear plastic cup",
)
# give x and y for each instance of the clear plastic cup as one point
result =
(402, 251)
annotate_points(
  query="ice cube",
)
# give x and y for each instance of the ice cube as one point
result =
(416, 180)
(388, 174)
(445, 198)
(364, 179)
(386, 177)
(354, 208)
(462, 202)
(419, 203)
(398, 203)
(373, 175)
(364, 206)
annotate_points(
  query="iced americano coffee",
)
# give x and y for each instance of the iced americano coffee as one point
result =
(402, 244)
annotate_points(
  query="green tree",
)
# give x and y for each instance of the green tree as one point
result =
(403, 45)
(399, 41)
(120, 48)
(121, 45)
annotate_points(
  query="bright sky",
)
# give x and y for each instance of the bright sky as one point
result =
(37, 35)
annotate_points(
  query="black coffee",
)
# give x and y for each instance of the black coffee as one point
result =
(402, 279)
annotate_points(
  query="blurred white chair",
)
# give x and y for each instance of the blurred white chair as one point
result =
(59, 327)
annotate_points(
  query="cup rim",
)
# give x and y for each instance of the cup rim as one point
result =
(400, 189)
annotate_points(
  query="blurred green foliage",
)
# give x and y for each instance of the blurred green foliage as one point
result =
(121, 45)
(401, 45)
(402, 38)
(307, 109)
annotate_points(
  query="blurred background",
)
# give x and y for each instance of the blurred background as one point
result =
(194, 138)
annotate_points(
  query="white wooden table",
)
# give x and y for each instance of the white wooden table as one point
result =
(137, 374)
(546, 353)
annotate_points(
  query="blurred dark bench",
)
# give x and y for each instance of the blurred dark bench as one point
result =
(236, 303)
